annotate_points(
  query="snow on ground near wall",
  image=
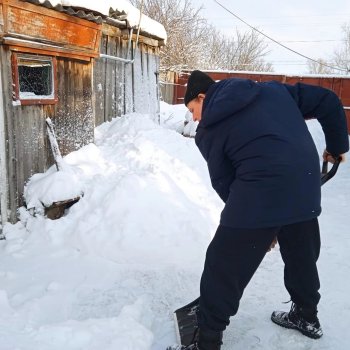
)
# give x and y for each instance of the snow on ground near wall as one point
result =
(109, 273)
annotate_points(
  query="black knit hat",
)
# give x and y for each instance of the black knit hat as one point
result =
(197, 83)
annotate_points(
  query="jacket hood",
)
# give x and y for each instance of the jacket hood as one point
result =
(226, 98)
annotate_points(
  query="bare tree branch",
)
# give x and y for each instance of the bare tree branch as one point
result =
(319, 67)
(342, 55)
(193, 43)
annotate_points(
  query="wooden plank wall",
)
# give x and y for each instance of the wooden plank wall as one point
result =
(121, 88)
(27, 142)
(73, 115)
(109, 81)
(167, 86)
(69, 35)
(10, 133)
(28, 145)
(128, 81)
(145, 75)
(83, 103)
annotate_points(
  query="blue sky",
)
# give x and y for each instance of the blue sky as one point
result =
(312, 28)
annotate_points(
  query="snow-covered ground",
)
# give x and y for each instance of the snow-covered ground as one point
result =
(108, 274)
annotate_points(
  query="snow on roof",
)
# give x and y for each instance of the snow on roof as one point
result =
(108, 7)
(249, 72)
(314, 75)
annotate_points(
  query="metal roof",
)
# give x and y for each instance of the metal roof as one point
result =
(76, 12)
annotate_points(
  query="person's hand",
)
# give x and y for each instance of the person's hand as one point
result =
(328, 157)
(273, 244)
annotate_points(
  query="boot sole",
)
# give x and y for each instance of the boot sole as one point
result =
(292, 326)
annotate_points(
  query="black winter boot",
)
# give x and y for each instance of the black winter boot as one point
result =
(301, 319)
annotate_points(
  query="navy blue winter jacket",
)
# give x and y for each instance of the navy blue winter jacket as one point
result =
(262, 160)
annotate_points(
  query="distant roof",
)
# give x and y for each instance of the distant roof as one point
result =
(97, 10)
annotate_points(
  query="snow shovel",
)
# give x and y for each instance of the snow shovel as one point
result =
(327, 175)
(186, 323)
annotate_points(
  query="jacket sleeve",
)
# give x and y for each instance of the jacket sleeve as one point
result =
(324, 105)
(221, 171)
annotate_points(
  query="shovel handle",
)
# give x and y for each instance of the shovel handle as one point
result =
(327, 175)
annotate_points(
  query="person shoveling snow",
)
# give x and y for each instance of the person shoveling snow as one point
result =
(264, 165)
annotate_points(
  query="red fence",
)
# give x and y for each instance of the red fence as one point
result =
(340, 85)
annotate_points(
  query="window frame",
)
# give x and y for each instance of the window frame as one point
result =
(16, 86)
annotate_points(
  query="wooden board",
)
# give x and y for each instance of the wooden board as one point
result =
(37, 26)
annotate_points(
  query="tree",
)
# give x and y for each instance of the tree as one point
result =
(342, 54)
(193, 43)
(319, 67)
(186, 31)
(340, 58)
(240, 51)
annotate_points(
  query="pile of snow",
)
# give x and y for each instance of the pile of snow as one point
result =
(43, 190)
(178, 117)
(127, 173)
(110, 272)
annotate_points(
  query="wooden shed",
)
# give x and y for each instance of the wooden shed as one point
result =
(78, 66)
(340, 84)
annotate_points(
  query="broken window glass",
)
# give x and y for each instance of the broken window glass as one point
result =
(35, 76)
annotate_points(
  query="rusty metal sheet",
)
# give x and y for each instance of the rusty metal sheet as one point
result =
(81, 13)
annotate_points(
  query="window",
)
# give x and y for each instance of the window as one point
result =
(34, 79)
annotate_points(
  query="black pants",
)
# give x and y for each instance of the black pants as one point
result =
(234, 255)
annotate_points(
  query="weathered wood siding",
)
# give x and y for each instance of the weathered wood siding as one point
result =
(68, 35)
(145, 76)
(121, 88)
(90, 90)
(73, 115)
(28, 146)
(25, 133)
(167, 86)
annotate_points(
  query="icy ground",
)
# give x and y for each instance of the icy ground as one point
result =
(108, 274)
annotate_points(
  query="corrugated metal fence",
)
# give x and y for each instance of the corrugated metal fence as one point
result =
(339, 84)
